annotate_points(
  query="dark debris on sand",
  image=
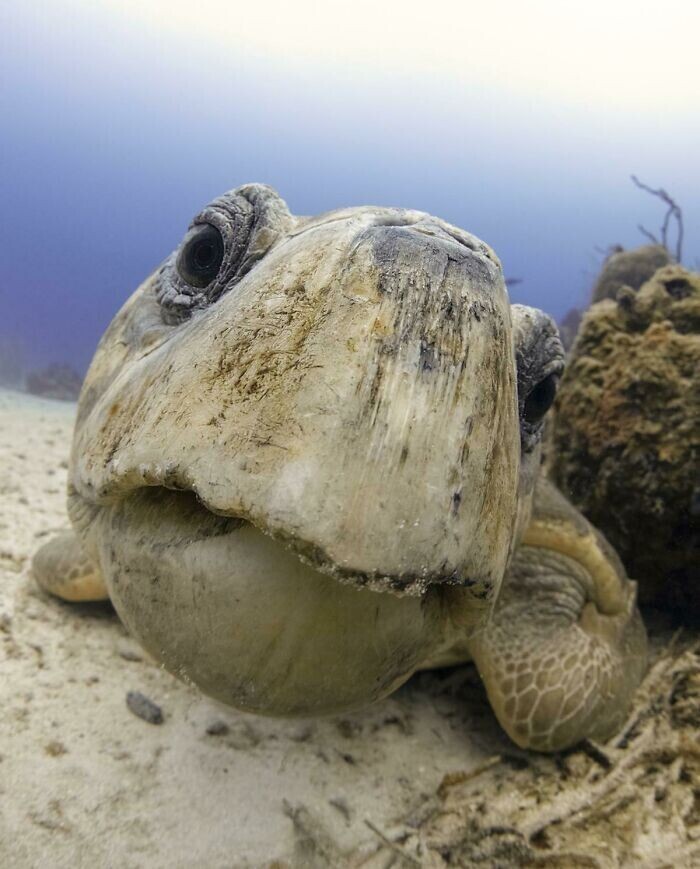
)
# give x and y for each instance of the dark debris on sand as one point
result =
(144, 708)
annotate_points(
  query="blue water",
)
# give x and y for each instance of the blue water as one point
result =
(109, 144)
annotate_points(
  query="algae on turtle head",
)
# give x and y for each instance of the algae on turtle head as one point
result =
(304, 464)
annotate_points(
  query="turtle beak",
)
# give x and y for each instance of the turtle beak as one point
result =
(353, 397)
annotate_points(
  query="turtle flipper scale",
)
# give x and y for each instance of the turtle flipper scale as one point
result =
(565, 648)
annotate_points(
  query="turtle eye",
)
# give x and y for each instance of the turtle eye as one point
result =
(201, 255)
(540, 399)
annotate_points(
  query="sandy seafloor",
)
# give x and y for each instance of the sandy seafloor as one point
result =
(84, 782)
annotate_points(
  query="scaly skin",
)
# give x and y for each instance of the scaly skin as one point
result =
(565, 648)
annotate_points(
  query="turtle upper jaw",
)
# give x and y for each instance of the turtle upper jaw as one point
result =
(162, 491)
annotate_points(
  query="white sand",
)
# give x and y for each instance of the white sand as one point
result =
(84, 782)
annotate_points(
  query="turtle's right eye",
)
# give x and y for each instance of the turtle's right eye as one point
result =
(201, 255)
(540, 399)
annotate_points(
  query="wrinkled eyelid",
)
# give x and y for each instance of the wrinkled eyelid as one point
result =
(556, 367)
(557, 361)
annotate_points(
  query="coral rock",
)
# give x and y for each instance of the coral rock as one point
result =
(630, 268)
(626, 439)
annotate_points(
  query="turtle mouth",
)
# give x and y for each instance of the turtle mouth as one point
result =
(199, 521)
(222, 604)
(203, 521)
(157, 506)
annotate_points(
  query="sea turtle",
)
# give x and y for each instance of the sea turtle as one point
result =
(303, 468)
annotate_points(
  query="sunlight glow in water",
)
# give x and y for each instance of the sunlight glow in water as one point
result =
(631, 54)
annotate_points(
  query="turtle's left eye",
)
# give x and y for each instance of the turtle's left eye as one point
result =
(540, 399)
(201, 255)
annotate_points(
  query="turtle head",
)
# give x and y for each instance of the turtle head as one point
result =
(297, 441)
(539, 358)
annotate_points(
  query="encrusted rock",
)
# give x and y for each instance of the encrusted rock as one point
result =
(630, 268)
(626, 440)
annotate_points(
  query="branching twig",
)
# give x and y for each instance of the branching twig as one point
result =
(650, 235)
(393, 846)
(673, 213)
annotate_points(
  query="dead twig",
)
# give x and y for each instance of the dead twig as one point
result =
(451, 779)
(673, 212)
(393, 846)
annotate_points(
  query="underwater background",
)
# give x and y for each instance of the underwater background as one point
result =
(120, 120)
(521, 122)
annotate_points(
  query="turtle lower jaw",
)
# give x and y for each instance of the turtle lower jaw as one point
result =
(223, 605)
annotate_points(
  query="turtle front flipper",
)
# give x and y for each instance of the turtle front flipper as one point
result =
(62, 568)
(565, 648)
